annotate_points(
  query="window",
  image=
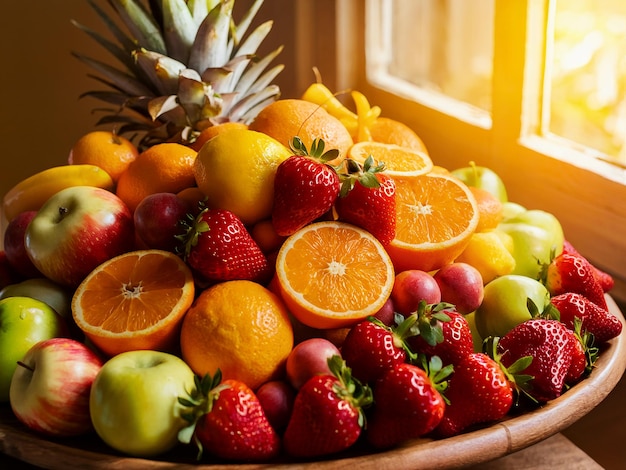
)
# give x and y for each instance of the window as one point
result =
(497, 105)
(587, 75)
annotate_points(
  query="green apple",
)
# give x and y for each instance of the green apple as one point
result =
(484, 178)
(511, 209)
(23, 323)
(537, 236)
(41, 288)
(134, 401)
(506, 304)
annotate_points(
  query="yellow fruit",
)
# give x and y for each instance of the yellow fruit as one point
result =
(241, 328)
(31, 193)
(333, 274)
(490, 253)
(236, 170)
(319, 94)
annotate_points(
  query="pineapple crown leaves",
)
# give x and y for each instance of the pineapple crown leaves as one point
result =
(521, 382)
(184, 66)
(364, 173)
(349, 388)
(199, 402)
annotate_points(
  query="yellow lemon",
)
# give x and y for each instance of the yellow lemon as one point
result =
(236, 170)
(489, 252)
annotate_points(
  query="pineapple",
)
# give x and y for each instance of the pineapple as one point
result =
(186, 66)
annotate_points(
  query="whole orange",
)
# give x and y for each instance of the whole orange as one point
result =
(107, 150)
(166, 167)
(285, 119)
(241, 328)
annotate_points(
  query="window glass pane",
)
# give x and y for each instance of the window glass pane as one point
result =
(444, 46)
(588, 75)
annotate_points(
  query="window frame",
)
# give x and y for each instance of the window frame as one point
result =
(539, 172)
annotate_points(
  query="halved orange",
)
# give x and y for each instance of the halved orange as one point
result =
(398, 160)
(332, 274)
(134, 301)
(436, 215)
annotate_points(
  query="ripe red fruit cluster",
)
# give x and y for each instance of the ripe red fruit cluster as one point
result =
(418, 375)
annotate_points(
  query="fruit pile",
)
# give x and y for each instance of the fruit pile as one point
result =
(291, 283)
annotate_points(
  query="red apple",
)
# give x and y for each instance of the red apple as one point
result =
(157, 220)
(76, 230)
(276, 398)
(411, 287)
(51, 385)
(309, 358)
(14, 248)
(461, 284)
(387, 313)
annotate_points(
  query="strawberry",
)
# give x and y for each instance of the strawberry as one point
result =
(443, 332)
(551, 345)
(601, 323)
(328, 413)
(305, 187)
(371, 348)
(605, 280)
(572, 273)
(407, 404)
(368, 199)
(584, 355)
(479, 391)
(218, 247)
(227, 420)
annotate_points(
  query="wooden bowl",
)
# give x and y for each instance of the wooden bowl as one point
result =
(482, 445)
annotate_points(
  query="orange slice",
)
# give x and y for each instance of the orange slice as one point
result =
(134, 301)
(436, 215)
(333, 274)
(399, 161)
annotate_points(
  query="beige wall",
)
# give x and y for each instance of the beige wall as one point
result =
(40, 81)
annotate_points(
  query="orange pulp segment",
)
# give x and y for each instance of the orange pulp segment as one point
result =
(134, 301)
(333, 274)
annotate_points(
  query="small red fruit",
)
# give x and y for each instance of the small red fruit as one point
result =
(327, 414)
(228, 421)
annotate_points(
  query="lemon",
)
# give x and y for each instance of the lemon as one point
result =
(236, 169)
(489, 252)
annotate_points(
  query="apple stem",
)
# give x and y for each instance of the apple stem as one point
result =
(26, 366)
